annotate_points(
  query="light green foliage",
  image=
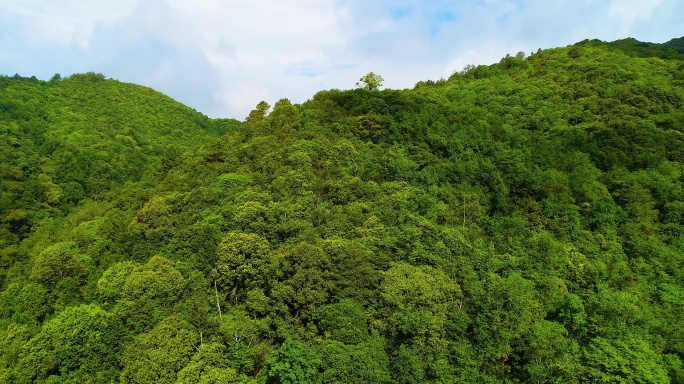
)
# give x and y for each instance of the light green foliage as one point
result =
(571, 314)
(209, 366)
(79, 344)
(553, 356)
(365, 362)
(250, 216)
(509, 310)
(152, 221)
(12, 340)
(418, 300)
(352, 264)
(285, 118)
(243, 337)
(242, 264)
(111, 284)
(422, 360)
(370, 82)
(24, 304)
(156, 280)
(230, 181)
(627, 359)
(158, 356)
(258, 115)
(148, 294)
(419, 304)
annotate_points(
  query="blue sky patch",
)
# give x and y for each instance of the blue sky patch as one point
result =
(401, 12)
(438, 19)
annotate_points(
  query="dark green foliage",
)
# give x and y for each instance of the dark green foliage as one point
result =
(293, 363)
(518, 222)
(345, 321)
(58, 262)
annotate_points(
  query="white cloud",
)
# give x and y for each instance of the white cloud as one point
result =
(62, 22)
(265, 50)
(627, 11)
(223, 57)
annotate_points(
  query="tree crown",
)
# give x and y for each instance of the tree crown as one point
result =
(370, 82)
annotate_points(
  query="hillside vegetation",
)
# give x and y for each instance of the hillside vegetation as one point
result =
(518, 222)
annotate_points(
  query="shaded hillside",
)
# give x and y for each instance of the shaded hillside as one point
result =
(66, 140)
(519, 222)
(673, 49)
(677, 44)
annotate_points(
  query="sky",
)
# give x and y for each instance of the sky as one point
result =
(221, 57)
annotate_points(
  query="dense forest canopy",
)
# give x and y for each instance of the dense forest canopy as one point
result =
(518, 222)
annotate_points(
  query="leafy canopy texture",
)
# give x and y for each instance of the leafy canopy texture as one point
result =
(520, 222)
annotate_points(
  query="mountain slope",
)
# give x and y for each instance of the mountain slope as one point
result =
(75, 138)
(517, 222)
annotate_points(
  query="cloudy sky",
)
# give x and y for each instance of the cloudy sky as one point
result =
(222, 57)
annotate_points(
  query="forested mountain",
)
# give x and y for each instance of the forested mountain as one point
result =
(517, 222)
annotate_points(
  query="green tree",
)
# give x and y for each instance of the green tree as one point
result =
(148, 293)
(258, 115)
(157, 280)
(370, 82)
(418, 300)
(243, 336)
(210, 366)
(552, 355)
(421, 304)
(57, 262)
(24, 303)
(345, 321)
(293, 363)
(242, 264)
(152, 222)
(625, 359)
(111, 284)
(366, 362)
(157, 356)
(304, 281)
(80, 344)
